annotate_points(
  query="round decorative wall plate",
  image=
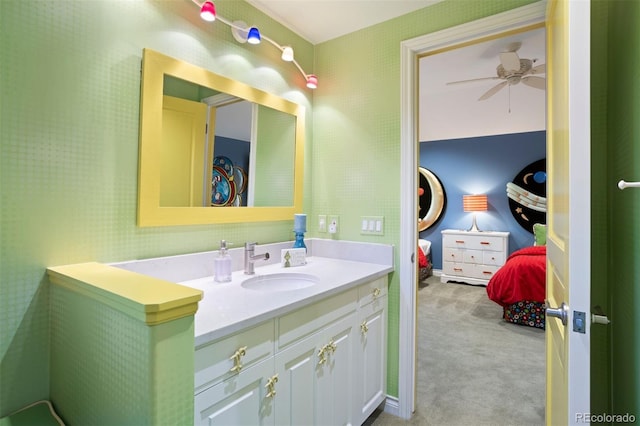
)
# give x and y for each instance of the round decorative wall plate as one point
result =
(431, 201)
(528, 195)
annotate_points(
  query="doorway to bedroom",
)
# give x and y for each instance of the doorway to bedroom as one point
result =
(481, 112)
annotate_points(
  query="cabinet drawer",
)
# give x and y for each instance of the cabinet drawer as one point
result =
(495, 258)
(473, 256)
(305, 321)
(369, 292)
(214, 361)
(458, 268)
(478, 242)
(484, 272)
(452, 255)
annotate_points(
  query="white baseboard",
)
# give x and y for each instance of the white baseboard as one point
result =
(392, 406)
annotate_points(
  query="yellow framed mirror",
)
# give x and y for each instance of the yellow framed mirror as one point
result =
(158, 177)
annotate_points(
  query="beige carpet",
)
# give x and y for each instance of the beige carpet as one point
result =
(473, 367)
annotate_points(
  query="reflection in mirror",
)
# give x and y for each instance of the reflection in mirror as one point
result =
(198, 170)
(207, 141)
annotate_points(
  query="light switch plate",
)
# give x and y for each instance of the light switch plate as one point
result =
(322, 223)
(372, 225)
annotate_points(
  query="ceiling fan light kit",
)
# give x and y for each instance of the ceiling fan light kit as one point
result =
(512, 70)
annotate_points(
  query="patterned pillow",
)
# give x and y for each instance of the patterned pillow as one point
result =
(539, 234)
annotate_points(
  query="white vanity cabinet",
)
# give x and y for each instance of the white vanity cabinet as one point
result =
(371, 348)
(231, 376)
(322, 364)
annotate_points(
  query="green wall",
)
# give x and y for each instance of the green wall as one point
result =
(356, 134)
(69, 107)
(69, 99)
(623, 162)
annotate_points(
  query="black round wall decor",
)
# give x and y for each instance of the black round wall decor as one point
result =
(528, 195)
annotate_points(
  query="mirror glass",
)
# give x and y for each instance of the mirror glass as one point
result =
(214, 150)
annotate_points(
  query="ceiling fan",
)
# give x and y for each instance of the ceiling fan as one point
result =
(512, 70)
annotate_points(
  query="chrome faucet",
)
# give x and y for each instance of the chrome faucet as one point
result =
(250, 257)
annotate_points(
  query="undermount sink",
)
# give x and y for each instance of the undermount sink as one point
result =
(280, 282)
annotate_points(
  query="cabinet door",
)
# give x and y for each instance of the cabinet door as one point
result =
(296, 393)
(336, 378)
(371, 359)
(239, 400)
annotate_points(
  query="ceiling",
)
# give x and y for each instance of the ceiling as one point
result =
(321, 20)
(446, 111)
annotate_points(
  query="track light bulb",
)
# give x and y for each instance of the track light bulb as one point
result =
(287, 53)
(208, 11)
(254, 36)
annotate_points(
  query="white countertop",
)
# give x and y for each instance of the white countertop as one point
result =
(228, 307)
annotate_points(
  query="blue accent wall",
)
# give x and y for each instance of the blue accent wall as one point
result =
(481, 165)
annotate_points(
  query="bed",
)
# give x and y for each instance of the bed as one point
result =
(425, 265)
(519, 286)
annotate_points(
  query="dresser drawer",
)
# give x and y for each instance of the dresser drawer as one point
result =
(484, 272)
(452, 255)
(458, 269)
(496, 258)
(473, 256)
(214, 361)
(476, 242)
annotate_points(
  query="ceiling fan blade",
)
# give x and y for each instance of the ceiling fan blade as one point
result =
(538, 69)
(537, 82)
(510, 61)
(493, 91)
(472, 80)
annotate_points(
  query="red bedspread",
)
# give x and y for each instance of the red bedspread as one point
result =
(521, 278)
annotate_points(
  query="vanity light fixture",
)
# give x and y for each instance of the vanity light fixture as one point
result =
(287, 53)
(474, 203)
(253, 36)
(208, 11)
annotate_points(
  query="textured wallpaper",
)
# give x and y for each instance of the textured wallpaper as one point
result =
(69, 143)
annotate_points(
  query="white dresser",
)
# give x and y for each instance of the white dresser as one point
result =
(472, 257)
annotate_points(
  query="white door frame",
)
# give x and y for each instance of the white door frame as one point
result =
(410, 50)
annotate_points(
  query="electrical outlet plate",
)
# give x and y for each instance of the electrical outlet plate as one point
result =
(372, 225)
(322, 223)
(334, 224)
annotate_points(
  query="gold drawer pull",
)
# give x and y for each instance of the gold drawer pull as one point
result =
(332, 346)
(487, 272)
(236, 357)
(485, 243)
(271, 386)
(364, 328)
(376, 292)
(457, 269)
(322, 355)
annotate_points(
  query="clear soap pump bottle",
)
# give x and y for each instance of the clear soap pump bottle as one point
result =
(222, 264)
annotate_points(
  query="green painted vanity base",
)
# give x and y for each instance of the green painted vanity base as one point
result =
(122, 347)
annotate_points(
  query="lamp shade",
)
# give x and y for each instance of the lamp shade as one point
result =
(474, 203)
(254, 36)
(287, 53)
(312, 81)
(208, 11)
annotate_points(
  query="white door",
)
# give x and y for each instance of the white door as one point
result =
(568, 214)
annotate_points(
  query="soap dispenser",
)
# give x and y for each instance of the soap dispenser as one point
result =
(222, 264)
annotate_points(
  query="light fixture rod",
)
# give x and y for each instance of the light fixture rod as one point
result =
(264, 37)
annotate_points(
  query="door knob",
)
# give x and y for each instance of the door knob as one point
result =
(562, 313)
